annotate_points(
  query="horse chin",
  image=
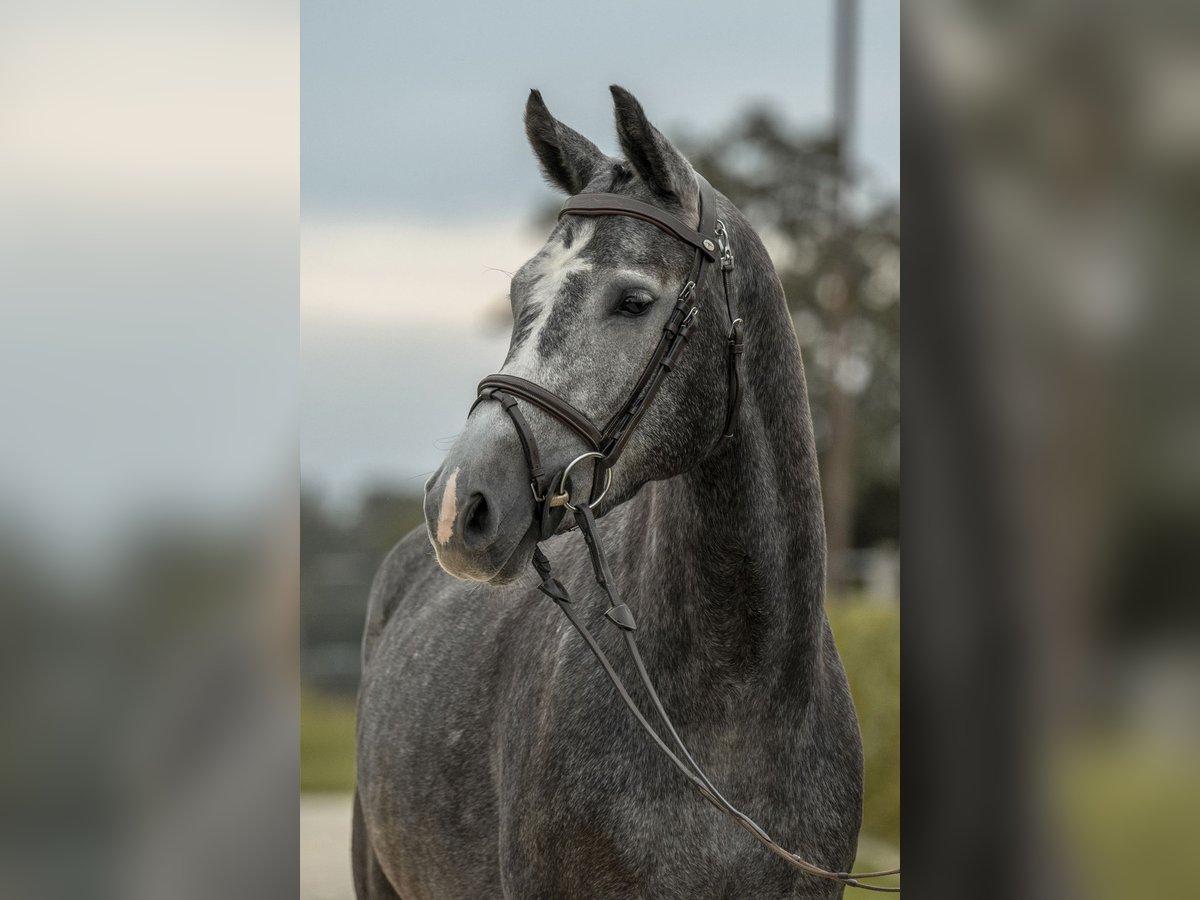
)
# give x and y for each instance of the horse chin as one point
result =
(518, 562)
(514, 565)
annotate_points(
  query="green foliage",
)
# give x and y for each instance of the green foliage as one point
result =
(1127, 804)
(791, 187)
(868, 638)
(875, 855)
(326, 743)
(338, 560)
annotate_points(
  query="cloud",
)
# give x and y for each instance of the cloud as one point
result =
(160, 109)
(393, 271)
(150, 174)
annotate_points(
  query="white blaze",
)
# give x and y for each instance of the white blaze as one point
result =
(554, 265)
(449, 511)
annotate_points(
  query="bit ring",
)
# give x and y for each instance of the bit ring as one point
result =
(566, 473)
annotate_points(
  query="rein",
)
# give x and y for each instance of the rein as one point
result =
(552, 496)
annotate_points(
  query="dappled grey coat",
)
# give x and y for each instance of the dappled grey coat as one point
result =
(494, 759)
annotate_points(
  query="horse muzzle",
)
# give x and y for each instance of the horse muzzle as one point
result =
(478, 519)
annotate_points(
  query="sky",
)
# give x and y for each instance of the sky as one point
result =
(154, 186)
(149, 265)
(418, 188)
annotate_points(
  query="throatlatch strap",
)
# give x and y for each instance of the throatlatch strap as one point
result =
(735, 344)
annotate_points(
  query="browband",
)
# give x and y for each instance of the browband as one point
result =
(616, 205)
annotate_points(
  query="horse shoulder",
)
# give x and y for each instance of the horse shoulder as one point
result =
(409, 565)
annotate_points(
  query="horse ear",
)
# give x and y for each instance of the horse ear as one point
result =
(660, 165)
(568, 159)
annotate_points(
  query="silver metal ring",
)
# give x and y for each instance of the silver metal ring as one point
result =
(562, 481)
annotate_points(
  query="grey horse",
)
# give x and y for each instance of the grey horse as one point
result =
(494, 759)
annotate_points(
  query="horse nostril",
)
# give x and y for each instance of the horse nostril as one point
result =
(476, 517)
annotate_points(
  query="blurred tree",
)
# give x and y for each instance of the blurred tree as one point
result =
(840, 266)
(339, 556)
(839, 260)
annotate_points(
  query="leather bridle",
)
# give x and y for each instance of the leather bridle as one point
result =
(710, 243)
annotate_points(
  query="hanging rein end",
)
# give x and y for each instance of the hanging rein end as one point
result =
(733, 365)
(621, 616)
(855, 880)
(550, 586)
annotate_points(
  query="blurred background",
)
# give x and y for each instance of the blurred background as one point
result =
(1052, 441)
(149, 269)
(149, 274)
(420, 196)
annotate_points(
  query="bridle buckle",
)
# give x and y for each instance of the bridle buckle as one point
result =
(724, 246)
(555, 499)
(735, 333)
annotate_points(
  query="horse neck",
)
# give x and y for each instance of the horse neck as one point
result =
(732, 591)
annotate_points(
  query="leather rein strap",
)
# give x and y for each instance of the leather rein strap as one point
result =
(619, 614)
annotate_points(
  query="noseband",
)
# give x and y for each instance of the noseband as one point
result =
(607, 444)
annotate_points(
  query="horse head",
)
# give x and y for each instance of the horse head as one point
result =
(588, 311)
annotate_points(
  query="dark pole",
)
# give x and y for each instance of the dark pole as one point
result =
(839, 460)
(845, 84)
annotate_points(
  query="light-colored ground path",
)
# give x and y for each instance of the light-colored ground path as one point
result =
(325, 847)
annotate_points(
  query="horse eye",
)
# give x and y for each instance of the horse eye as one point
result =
(634, 305)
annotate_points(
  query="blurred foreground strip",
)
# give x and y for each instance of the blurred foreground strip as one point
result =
(1052, 440)
(148, 278)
